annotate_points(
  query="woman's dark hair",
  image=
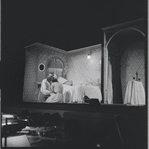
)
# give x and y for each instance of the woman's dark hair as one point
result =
(49, 79)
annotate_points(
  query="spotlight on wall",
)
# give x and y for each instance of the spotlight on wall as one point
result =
(89, 54)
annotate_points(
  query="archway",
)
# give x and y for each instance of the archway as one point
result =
(55, 65)
(126, 53)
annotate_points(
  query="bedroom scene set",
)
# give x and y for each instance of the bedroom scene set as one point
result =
(112, 72)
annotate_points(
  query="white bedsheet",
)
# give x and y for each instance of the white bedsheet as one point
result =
(68, 92)
(76, 93)
(93, 92)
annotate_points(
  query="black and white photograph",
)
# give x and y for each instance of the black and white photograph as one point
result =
(74, 74)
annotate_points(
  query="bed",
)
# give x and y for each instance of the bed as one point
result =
(76, 93)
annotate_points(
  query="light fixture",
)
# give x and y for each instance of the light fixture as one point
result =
(89, 54)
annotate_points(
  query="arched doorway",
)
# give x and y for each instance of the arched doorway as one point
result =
(124, 52)
(55, 65)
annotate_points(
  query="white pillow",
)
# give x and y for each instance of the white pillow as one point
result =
(61, 80)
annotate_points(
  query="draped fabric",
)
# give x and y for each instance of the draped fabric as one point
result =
(109, 84)
(78, 93)
(55, 97)
(56, 94)
(135, 93)
(93, 92)
(105, 73)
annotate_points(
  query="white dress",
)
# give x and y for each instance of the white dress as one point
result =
(56, 94)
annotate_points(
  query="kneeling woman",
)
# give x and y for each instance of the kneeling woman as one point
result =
(56, 94)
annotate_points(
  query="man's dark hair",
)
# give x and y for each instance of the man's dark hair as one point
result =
(51, 78)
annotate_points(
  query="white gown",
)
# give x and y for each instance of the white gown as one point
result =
(57, 93)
